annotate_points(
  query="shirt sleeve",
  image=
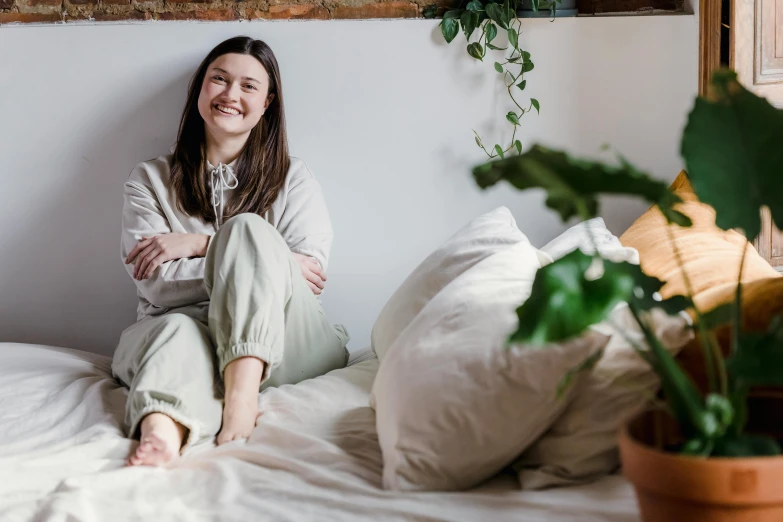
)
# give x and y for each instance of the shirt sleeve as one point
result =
(174, 283)
(305, 223)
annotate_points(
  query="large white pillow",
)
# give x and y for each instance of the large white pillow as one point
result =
(581, 445)
(453, 405)
(480, 238)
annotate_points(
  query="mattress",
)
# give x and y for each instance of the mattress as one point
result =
(313, 455)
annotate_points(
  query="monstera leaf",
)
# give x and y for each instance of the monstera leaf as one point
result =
(579, 290)
(573, 185)
(733, 150)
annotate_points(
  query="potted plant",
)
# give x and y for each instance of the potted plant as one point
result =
(713, 468)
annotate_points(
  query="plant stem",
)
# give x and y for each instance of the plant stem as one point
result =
(738, 304)
(514, 100)
(513, 135)
(713, 358)
(646, 393)
(635, 345)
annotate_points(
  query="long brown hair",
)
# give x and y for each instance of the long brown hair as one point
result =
(262, 165)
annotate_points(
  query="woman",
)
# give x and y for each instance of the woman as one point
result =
(228, 242)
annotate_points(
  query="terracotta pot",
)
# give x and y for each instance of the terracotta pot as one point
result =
(671, 488)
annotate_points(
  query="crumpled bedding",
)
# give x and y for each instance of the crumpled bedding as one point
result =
(313, 455)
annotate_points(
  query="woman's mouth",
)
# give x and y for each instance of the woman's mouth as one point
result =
(228, 111)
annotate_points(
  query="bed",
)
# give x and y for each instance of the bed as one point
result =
(314, 455)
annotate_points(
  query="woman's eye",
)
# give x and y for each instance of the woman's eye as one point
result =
(251, 86)
(219, 78)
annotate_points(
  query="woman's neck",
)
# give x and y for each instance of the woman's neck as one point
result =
(224, 150)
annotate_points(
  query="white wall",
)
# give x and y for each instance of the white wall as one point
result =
(382, 112)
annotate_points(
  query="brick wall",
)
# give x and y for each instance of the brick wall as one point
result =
(53, 11)
(43, 11)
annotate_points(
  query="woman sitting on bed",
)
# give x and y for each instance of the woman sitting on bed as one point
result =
(227, 240)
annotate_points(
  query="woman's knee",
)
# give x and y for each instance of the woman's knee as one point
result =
(248, 220)
(180, 325)
(250, 224)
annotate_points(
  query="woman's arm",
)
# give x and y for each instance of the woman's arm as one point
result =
(175, 283)
(305, 223)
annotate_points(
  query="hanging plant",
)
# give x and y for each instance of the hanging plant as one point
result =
(486, 18)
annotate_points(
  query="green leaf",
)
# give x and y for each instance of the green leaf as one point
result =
(536, 105)
(718, 316)
(492, 32)
(490, 46)
(722, 408)
(572, 185)
(758, 360)
(666, 205)
(586, 365)
(449, 27)
(518, 145)
(453, 13)
(495, 13)
(513, 38)
(474, 5)
(431, 11)
(566, 299)
(733, 153)
(476, 51)
(499, 150)
(535, 4)
(512, 118)
(478, 140)
(469, 21)
(698, 447)
(498, 67)
(746, 445)
(525, 56)
(522, 85)
(527, 67)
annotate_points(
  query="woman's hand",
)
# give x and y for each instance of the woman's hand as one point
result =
(312, 272)
(151, 252)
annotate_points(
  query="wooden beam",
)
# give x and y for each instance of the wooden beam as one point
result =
(709, 41)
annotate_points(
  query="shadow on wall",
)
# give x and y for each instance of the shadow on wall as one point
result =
(75, 254)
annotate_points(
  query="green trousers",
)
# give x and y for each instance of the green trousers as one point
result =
(260, 306)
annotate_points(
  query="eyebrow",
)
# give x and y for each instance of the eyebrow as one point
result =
(244, 78)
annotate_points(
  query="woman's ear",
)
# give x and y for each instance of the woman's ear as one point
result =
(269, 100)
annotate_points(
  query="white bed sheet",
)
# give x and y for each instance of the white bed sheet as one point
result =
(314, 455)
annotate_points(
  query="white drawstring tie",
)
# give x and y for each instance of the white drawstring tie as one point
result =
(221, 178)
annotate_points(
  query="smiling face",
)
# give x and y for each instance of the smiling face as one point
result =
(233, 96)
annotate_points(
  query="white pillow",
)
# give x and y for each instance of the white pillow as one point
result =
(581, 445)
(482, 237)
(453, 405)
(578, 236)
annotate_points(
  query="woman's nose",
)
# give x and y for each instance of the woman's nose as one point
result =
(233, 90)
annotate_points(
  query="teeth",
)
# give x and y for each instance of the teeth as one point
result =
(227, 110)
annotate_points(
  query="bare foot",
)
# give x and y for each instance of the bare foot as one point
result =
(239, 417)
(161, 440)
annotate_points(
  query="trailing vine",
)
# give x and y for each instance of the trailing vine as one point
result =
(491, 17)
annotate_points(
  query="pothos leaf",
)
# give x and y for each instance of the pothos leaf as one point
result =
(476, 51)
(492, 31)
(449, 27)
